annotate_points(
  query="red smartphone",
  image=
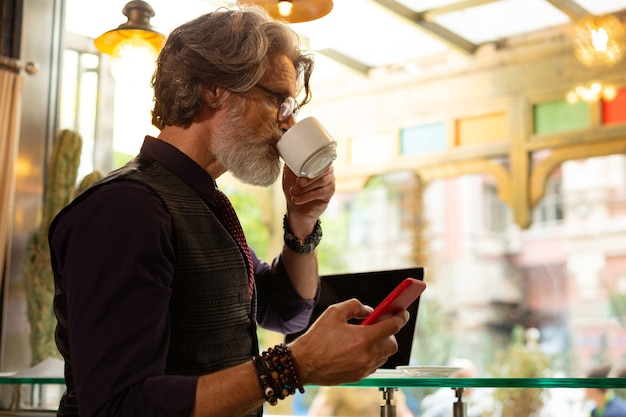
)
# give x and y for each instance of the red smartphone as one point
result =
(399, 299)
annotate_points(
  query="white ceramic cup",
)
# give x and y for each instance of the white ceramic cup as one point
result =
(307, 148)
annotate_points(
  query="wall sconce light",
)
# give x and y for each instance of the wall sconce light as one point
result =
(132, 44)
(599, 41)
(292, 11)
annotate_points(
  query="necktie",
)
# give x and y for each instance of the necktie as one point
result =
(229, 217)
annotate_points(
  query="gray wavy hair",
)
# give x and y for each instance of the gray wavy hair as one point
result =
(226, 48)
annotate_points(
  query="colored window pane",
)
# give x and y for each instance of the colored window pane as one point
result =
(423, 139)
(561, 116)
(480, 130)
(614, 111)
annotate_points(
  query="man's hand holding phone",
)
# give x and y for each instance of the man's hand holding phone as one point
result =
(352, 352)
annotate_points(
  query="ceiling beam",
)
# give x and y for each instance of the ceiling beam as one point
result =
(432, 28)
(351, 63)
(454, 7)
(337, 56)
(450, 38)
(574, 10)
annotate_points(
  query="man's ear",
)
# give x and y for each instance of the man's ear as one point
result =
(213, 96)
(209, 95)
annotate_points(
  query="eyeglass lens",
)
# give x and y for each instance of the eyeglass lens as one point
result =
(287, 108)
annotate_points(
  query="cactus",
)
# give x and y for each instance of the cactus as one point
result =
(38, 280)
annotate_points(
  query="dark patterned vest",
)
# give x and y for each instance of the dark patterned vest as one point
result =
(211, 315)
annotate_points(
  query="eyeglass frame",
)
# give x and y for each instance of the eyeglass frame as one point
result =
(287, 102)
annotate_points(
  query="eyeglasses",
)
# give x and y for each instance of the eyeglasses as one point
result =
(287, 106)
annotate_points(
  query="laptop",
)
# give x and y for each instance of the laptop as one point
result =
(370, 288)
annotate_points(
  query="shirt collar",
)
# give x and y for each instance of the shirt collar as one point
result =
(181, 165)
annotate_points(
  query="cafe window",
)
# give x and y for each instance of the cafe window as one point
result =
(496, 215)
(382, 223)
(78, 102)
(549, 211)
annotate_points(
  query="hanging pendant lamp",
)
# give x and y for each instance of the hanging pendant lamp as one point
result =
(137, 30)
(599, 41)
(292, 11)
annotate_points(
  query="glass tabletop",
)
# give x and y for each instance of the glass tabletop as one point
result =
(31, 380)
(398, 380)
(389, 382)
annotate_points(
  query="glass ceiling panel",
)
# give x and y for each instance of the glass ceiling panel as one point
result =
(422, 5)
(363, 30)
(602, 6)
(371, 35)
(502, 19)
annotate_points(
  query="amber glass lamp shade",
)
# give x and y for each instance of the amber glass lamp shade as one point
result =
(136, 31)
(299, 10)
(599, 41)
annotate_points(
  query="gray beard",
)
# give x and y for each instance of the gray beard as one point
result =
(251, 162)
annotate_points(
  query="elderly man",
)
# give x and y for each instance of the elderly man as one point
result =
(158, 296)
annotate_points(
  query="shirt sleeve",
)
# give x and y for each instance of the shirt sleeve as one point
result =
(114, 262)
(280, 307)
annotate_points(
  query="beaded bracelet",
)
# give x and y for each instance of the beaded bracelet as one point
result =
(302, 246)
(282, 371)
(264, 380)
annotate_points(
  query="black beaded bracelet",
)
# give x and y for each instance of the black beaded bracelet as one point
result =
(305, 245)
(264, 379)
(282, 370)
